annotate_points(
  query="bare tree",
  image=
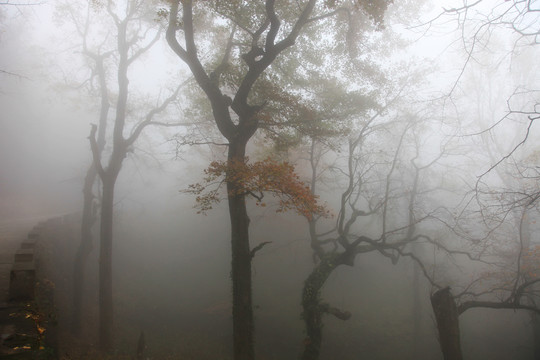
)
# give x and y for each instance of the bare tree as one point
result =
(135, 36)
(492, 230)
(96, 56)
(479, 27)
(372, 192)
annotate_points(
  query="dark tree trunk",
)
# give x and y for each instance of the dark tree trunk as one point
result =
(141, 347)
(108, 178)
(313, 309)
(446, 315)
(105, 266)
(535, 318)
(417, 313)
(89, 206)
(240, 266)
(84, 250)
(525, 234)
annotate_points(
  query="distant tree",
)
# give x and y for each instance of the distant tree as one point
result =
(492, 36)
(497, 107)
(490, 230)
(237, 78)
(478, 20)
(96, 56)
(136, 33)
(376, 189)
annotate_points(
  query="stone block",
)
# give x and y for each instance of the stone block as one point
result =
(24, 255)
(22, 281)
(28, 244)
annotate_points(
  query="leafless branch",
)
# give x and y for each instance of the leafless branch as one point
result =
(258, 247)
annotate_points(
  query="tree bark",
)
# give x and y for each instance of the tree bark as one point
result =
(313, 309)
(240, 265)
(446, 315)
(105, 266)
(535, 318)
(417, 313)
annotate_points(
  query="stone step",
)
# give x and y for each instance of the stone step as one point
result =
(28, 244)
(22, 281)
(24, 255)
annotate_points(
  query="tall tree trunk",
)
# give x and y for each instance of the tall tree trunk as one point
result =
(105, 266)
(417, 312)
(241, 265)
(108, 177)
(525, 233)
(446, 315)
(84, 250)
(417, 307)
(536, 335)
(313, 309)
(89, 207)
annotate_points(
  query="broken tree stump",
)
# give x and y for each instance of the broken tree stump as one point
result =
(446, 315)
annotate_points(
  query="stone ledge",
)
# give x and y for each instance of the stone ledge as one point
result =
(22, 281)
(24, 255)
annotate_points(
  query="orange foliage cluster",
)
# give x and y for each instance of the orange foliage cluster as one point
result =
(256, 179)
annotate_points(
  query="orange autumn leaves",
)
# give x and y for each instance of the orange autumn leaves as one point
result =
(257, 179)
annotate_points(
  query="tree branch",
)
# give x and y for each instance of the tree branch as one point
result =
(340, 314)
(494, 305)
(258, 247)
(220, 105)
(148, 118)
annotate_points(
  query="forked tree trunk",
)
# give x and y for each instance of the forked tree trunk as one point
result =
(240, 266)
(446, 315)
(89, 207)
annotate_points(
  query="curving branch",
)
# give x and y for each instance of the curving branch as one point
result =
(152, 113)
(258, 247)
(219, 103)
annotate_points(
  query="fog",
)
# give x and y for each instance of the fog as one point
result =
(443, 179)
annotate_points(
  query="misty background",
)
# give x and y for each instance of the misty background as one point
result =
(172, 265)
